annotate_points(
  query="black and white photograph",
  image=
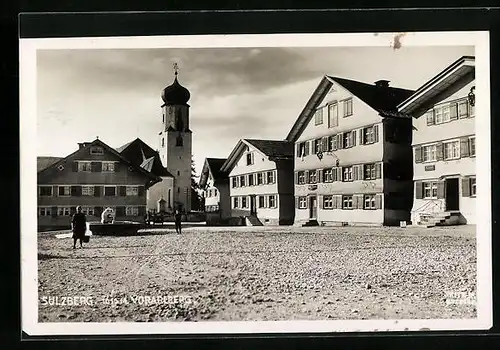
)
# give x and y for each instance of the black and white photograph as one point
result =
(256, 183)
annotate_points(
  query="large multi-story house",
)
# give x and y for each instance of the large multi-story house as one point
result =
(260, 180)
(94, 177)
(352, 155)
(444, 146)
(140, 154)
(215, 185)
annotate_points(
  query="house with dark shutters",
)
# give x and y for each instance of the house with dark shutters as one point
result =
(94, 177)
(352, 161)
(444, 146)
(261, 181)
(215, 185)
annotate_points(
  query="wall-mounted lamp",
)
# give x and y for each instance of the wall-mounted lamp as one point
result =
(471, 96)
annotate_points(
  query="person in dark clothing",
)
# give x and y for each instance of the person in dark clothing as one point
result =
(78, 226)
(178, 219)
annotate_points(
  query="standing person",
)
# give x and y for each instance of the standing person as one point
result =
(78, 226)
(178, 219)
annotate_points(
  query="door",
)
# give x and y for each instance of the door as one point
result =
(253, 205)
(451, 194)
(313, 207)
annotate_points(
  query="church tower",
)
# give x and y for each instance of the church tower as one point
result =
(176, 140)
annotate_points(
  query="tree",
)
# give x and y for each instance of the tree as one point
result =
(197, 201)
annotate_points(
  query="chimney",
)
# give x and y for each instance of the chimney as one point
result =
(83, 144)
(382, 83)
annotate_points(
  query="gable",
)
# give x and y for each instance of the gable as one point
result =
(258, 161)
(95, 154)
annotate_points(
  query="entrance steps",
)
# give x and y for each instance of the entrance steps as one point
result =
(446, 218)
(311, 223)
(253, 220)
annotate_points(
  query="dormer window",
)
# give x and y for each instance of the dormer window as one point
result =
(96, 150)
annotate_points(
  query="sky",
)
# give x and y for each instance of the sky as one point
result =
(236, 93)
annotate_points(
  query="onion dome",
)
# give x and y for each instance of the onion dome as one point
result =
(175, 94)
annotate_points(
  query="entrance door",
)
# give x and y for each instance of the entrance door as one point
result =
(313, 207)
(451, 194)
(253, 205)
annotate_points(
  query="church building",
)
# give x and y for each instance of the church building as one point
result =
(175, 142)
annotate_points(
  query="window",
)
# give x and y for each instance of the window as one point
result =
(45, 191)
(242, 180)
(84, 166)
(235, 182)
(429, 153)
(333, 115)
(328, 202)
(446, 113)
(215, 192)
(260, 179)
(87, 190)
(472, 182)
(44, 211)
(332, 142)
(88, 211)
(347, 171)
(250, 179)
(64, 191)
(430, 190)
(108, 167)
(438, 115)
(249, 158)
(472, 146)
(348, 107)
(110, 190)
(132, 190)
(348, 138)
(261, 201)
(163, 142)
(327, 175)
(235, 202)
(272, 201)
(63, 211)
(313, 176)
(244, 202)
(451, 150)
(369, 201)
(302, 202)
(302, 177)
(318, 116)
(346, 202)
(368, 135)
(179, 142)
(369, 172)
(132, 211)
(302, 149)
(462, 109)
(430, 117)
(472, 111)
(96, 150)
(317, 146)
(270, 177)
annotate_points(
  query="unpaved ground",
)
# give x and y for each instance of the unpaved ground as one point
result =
(259, 273)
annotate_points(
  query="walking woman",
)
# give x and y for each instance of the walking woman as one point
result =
(78, 226)
(178, 219)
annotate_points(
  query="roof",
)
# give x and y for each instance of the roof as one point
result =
(382, 99)
(451, 79)
(273, 149)
(98, 142)
(45, 162)
(212, 166)
(140, 154)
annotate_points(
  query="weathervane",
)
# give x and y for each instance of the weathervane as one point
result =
(176, 68)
